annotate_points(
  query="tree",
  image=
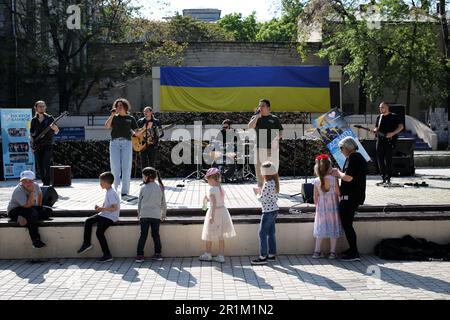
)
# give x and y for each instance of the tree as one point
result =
(277, 30)
(243, 29)
(401, 52)
(285, 28)
(61, 51)
(165, 53)
(165, 42)
(188, 29)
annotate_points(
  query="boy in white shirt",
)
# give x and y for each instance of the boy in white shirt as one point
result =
(107, 215)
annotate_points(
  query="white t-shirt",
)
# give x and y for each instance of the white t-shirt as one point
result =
(111, 197)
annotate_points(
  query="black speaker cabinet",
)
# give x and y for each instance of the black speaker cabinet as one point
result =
(49, 196)
(308, 192)
(60, 176)
(403, 166)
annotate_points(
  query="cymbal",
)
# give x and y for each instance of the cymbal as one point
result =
(215, 155)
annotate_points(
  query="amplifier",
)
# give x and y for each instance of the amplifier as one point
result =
(403, 166)
(308, 192)
(61, 176)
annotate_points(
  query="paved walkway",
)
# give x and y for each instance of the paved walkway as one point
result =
(85, 193)
(291, 277)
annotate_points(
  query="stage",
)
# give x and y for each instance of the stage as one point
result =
(84, 194)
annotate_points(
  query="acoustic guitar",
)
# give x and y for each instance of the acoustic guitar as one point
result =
(143, 142)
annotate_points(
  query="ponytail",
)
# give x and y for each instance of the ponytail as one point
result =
(160, 180)
(153, 174)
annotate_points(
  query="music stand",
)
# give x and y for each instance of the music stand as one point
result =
(247, 170)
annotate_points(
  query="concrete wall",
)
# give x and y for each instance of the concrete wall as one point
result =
(184, 240)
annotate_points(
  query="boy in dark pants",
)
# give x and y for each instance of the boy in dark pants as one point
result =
(108, 214)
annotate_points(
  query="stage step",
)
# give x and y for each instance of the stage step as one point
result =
(181, 235)
(419, 143)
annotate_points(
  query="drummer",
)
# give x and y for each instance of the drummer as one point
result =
(227, 137)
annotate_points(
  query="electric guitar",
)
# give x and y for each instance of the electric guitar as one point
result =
(391, 140)
(37, 141)
(143, 142)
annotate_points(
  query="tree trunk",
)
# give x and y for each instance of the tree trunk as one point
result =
(64, 95)
(362, 99)
(408, 90)
(446, 47)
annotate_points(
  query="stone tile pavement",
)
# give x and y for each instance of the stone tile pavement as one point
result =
(290, 277)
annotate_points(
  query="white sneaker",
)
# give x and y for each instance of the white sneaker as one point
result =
(205, 257)
(219, 258)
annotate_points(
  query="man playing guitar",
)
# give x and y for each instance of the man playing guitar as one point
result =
(387, 128)
(44, 153)
(149, 126)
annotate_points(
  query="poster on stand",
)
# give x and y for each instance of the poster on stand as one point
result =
(332, 128)
(16, 148)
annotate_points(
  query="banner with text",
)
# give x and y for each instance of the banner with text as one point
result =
(16, 149)
(332, 128)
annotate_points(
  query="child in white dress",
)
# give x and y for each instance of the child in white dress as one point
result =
(218, 224)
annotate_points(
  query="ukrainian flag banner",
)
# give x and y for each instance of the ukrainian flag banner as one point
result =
(230, 89)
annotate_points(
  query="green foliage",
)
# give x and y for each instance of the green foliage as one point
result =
(402, 51)
(243, 29)
(277, 30)
(165, 53)
(188, 29)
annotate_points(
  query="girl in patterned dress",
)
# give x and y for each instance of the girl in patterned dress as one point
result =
(218, 224)
(327, 223)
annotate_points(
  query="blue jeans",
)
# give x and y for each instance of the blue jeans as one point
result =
(267, 233)
(120, 158)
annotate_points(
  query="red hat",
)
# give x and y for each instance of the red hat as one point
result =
(322, 156)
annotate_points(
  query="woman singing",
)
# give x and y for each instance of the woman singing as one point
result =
(120, 148)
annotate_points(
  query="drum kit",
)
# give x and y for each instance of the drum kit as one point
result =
(234, 166)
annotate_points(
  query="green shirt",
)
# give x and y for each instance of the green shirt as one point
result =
(122, 126)
(271, 123)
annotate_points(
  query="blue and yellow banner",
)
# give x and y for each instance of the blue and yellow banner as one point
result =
(17, 154)
(221, 89)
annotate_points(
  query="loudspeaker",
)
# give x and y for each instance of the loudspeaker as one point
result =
(403, 166)
(60, 176)
(308, 192)
(404, 147)
(49, 196)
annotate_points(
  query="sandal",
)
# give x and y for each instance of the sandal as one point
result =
(316, 255)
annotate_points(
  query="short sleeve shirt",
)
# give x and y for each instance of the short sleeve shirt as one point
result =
(269, 197)
(20, 196)
(111, 198)
(122, 126)
(156, 124)
(388, 123)
(267, 126)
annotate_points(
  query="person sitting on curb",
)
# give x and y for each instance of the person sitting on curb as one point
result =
(25, 206)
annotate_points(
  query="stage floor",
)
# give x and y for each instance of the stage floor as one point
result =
(84, 194)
